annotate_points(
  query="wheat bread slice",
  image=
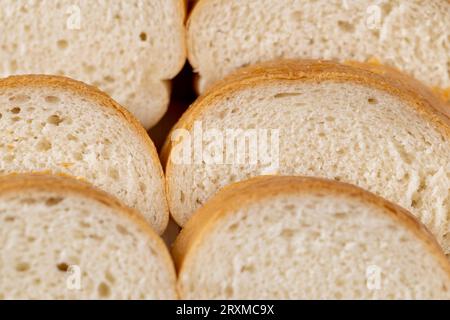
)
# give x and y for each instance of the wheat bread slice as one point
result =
(130, 49)
(63, 239)
(307, 238)
(376, 128)
(412, 36)
(58, 125)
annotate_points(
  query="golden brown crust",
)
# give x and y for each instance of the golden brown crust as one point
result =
(420, 98)
(100, 98)
(66, 185)
(242, 194)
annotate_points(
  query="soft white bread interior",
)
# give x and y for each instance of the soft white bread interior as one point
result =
(411, 35)
(63, 239)
(377, 129)
(127, 48)
(304, 238)
(58, 125)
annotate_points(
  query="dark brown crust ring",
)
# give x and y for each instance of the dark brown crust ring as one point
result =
(66, 185)
(94, 94)
(242, 194)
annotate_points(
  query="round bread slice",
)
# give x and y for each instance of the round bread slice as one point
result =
(307, 238)
(225, 35)
(130, 49)
(57, 125)
(62, 239)
(374, 128)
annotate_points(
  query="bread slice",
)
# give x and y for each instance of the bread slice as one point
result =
(54, 124)
(306, 238)
(377, 129)
(63, 239)
(130, 49)
(225, 35)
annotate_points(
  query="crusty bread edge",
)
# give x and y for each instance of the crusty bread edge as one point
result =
(100, 98)
(380, 77)
(244, 193)
(65, 185)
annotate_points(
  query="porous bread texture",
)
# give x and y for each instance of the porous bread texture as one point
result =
(413, 36)
(333, 121)
(130, 49)
(64, 240)
(304, 238)
(62, 126)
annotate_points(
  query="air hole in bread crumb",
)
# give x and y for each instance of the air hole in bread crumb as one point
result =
(44, 145)
(52, 99)
(62, 44)
(109, 79)
(63, 267)
(229, 292)
(372, 100)
(142, 187)
(113, 173)
(55, 120)
(122, 230)
(9, 158)
(71, 137)
(109, 277)
(85, 225)
(287, 233)
(21, 98)
(22, 267)
(339, 215)
(345, 26)
(15, 110)
(78, 156)
(103, 290)
(182, 198)
(89, 69)
(9, 219)
(286, 95)
(297, 16)
(50, 202)
(339, 282)
(248, 268)
(143, 36)
(13, 66)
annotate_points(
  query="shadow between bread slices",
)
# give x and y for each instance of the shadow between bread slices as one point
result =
(372, 127)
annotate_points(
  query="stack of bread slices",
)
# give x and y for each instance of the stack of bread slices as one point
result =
(314, 165)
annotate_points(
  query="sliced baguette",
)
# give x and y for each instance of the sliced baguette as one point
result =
(377, 129)
(130, 49)
(63, 239)
(305, 238)
(413, 35)
(54, 124)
